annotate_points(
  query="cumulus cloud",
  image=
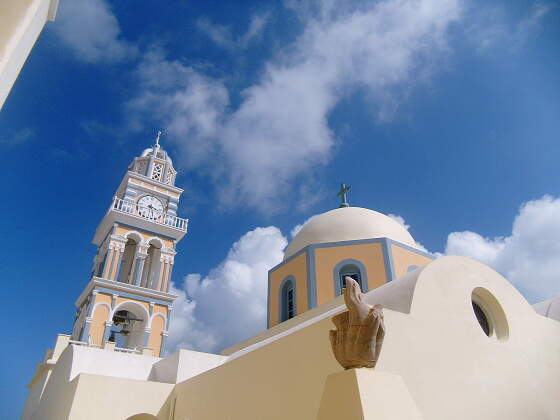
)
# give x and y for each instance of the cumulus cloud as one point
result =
(229, 303)
(400, 220)
(280, 131)
(91, 31)
(223, 36)
(299, 226)
(528, 257)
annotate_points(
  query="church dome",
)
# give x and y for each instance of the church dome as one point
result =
(348, 224)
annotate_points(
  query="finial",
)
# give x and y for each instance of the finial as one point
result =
(157, 137)
(342, 194)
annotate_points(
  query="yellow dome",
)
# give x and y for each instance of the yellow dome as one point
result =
(348, 224)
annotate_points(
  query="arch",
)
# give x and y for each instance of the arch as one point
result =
(349, 266)
(158, 243)
(102, 304)
(135, 235)
(288, 299)
(158, 314)
(133, 242)
(153, 264)
(156, 330)
(137, 333)
(100, 315)
(142, 416)
(130, 305)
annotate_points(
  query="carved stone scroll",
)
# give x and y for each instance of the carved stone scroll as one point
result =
(360, 330)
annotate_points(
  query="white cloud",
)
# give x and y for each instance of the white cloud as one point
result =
(400, 220)
(223, 36)
(15, 138)
(492, 27)
(90, 29)
(230, 303)
(299, 226)
(280, 132)
(529, 256)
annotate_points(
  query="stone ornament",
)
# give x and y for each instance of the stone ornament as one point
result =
(360, 330)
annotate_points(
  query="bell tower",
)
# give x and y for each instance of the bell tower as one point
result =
(127, 299)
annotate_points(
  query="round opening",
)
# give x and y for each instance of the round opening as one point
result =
(481, 318)
(489, 314)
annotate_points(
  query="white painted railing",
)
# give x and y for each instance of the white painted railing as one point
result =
(124, 350)
(162, 218)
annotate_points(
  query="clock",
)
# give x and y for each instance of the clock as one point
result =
(150, 207)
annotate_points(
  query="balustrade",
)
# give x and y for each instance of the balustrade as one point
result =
(162, 218)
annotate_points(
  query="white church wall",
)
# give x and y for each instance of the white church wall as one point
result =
(450, 367)
(184, 364)
(21, 22)
(549, 308)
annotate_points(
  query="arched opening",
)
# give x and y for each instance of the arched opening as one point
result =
(129, 255)
(152, 267)
(129, 326)
(288, 300)
(352, 271)
(489, 314)
(143, 416)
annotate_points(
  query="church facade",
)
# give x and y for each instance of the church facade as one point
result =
(461, 342)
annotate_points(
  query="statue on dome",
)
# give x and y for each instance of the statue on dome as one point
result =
(360, 330)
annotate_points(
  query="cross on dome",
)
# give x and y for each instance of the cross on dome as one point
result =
(157, 137)
(343, 195)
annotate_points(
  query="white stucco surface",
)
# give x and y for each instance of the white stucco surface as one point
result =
(549, 308)
(436, 362)
(184, 364)
(451, 369)
(348, 224)
(21, 22)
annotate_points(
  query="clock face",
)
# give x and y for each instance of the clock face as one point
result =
(150, 207)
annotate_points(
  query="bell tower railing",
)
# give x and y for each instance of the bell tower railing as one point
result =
(149, 213)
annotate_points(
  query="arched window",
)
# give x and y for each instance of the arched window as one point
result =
(128, 261)
(349, 270)
(353, 269)
(288, 300)
(152, 267)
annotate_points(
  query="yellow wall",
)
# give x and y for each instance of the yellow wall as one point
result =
(100, 315)
(97, 330)
(298, 269)
(158, 324)
(403, 258)
(370, 255)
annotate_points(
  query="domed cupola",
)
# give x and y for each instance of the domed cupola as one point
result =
(348, 224)
(355, 242)
(155, 164)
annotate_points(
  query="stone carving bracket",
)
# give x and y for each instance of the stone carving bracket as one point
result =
(360, 330)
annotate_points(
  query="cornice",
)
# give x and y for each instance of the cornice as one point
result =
(123, 287)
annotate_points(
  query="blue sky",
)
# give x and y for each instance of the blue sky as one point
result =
(444, 113)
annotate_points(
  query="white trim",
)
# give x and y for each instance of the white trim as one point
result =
(101, 304)
(133, 303)
(155, 238)
(161, 316)
(123, 287)
(134, 232)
